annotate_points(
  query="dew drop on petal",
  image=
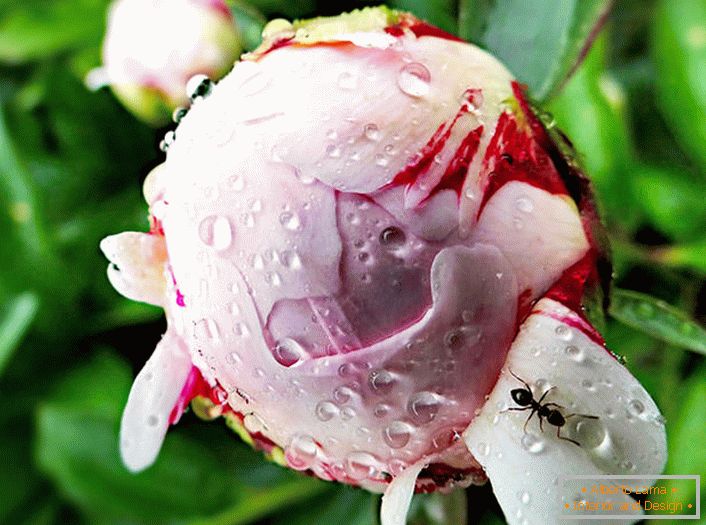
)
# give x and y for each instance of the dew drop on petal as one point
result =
(635, 407)
(326, 410)
(360, 465)
(423, 406)
(483, 449)
(591, 433)
(575, 353)
(372, 132)
(216, 231)
(532, 443)
(301, 452)
(289, 352)
(524, 204)
(397, 434)
(414, 79)
(290, 220)
(381, 381)
(392, 237)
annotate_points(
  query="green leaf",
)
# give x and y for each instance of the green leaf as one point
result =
(473, 18)
(339, 504)
(16, 316)
(43, 29)
(691, 255)
(439, 509)
(542, 41)
(249, 22)
(204, 476)
(658, 319)
(679, 50)
(286, 8)
(440, 13)
(672, 201)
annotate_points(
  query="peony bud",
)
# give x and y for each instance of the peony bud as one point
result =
(153, 47)
(368, 238)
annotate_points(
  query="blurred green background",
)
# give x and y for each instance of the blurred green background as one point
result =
(71, 166)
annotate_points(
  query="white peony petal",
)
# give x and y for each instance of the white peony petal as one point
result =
(398, 496)
(540, 234)
(152, 398)
(137, 269)
(525, 467)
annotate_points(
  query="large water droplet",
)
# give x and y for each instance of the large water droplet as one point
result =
(198, 86)
(414, 79)
(301, 452)
(590, 433)
(289, 352)
(381, 381)
(392, 237)
(635, 407)
(290, 220)
(397, 434)
(360, 465)
(532, 443)
(326, 410)
(372, 132)
(216, 231)
(423, 406)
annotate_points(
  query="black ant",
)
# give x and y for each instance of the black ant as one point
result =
(549, 411)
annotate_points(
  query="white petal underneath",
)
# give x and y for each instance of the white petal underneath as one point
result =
(398, 496)
(152, 398)
(525, 468)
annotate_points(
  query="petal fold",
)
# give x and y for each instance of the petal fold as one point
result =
(398, 496)
(525, 467)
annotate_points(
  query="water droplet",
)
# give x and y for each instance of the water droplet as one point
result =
(469, 194)
(524, 204)
(414, 79)
(381, 410)
(178, 114)
(360, 465)
(333, 151)
(290, 220)
(233, 358)
(563, 332)
(326, 410)
(518, 223)
(397, 434)
(289, 352)
(198, 86)
(424, 406)
(575, 353)
(216, 231)
(533, 444)
(301, 452)
(454, 339)
(347, 413)
(152, 420)
(590, 433)
(392, 237)
(347, 80)
(342, 394)
(381, 381)
(524, 497)
(483, 449)
(372, 132)
(588, 385)
(381, 160)
(635, 407)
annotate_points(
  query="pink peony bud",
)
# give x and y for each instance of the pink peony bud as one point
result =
(358, 238)
(153, 47)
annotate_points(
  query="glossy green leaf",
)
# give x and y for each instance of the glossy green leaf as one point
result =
(39, 30)
(542, 41)
(672, 201)
(191, 479)
(440, 13)
(679, 50)
(658, 319)
(249, 22)
(439, 509)
(16, 316)
(691, 255)
(339, 504)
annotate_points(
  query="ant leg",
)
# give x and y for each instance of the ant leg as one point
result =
(545, 395)
(541, 428)
(518, 409)
(519, 379)
(587, 416)
(524, 428)
(558, 434)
